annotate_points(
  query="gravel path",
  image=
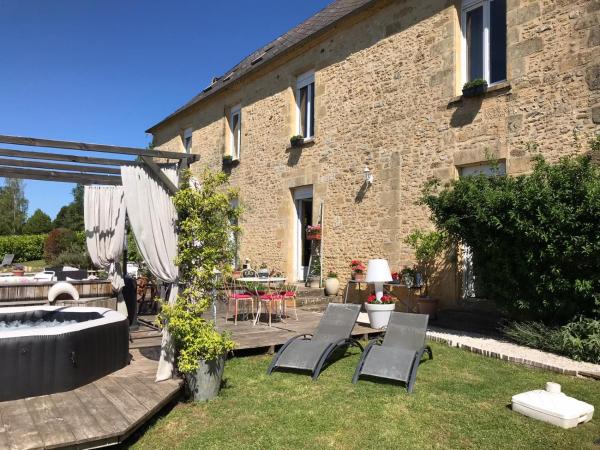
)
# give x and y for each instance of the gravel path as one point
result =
(495, 348)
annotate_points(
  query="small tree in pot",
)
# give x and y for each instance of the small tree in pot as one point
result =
(428, 248)
(205, 219)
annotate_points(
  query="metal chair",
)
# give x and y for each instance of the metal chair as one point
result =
(236, 296)
(290, 293)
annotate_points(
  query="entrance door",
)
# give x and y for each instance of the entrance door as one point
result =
(304, 203)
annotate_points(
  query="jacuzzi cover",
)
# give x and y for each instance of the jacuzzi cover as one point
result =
(556, 408)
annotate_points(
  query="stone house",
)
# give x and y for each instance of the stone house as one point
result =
(376, 84)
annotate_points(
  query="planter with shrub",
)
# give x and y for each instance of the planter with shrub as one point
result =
(358, 270)
(297, 140)
(204, 227)
(475, 88)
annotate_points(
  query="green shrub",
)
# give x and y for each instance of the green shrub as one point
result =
(61, 241)
(24, 247)
(579, 340)
(535, 238)
(74, 259)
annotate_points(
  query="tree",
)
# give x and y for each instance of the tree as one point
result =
(71, 216)
(13, 205)
(38, 223)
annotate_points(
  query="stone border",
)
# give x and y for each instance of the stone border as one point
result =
(513, 359)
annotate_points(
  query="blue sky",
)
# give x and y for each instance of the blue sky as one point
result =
(104, 71)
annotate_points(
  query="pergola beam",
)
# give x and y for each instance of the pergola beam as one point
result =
(62, 157)
(57, 166)
(70, 145)
(52, 175)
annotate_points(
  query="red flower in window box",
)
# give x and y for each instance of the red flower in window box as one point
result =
(313, 232)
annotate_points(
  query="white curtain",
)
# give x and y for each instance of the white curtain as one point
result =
(152, 217)
(104, 221)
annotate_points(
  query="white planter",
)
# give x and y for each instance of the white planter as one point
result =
(314, 283)
(379, 315)
(332, 286)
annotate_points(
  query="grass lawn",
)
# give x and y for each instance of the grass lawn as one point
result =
(460, 401)
(32, 266)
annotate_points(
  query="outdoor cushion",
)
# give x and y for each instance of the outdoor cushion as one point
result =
(302, 354)
(240, 296)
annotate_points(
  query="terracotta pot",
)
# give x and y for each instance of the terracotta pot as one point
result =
(379, 315)
(428, 306)
(332, 286)
(313, 237)
(359, 277)
(236, 274)
(18, 272)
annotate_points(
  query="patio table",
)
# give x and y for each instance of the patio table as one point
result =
(267, 281)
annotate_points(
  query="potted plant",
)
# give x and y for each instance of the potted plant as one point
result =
(379, 310)
(227, 160)
(358, 270)
(297, 140)
(263, 271)
(395, 278)
(204, 225)
(428, 248)
(313, 232)
(474, 88)
(237, 273)
(18, 270)
(332, 284)
(314, 277)
(407, 275)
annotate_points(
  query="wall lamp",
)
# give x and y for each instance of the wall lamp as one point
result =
(368, 176)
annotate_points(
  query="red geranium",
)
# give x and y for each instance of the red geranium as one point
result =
(395, 276)
(385, 300)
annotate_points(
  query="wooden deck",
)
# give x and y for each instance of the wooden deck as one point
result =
(247, 336)
(101, 413)
(109, 410)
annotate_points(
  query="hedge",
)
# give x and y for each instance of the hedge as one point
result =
(27, 247)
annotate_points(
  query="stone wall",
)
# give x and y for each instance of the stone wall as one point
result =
(387, 96)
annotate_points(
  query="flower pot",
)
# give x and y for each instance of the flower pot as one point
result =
(332, 286)
(379, 314)
(359, 277)
(18, 272)
(314, 283)
(475, 91)
(236, 274)
(313, 237)
(263, 273)
(428, 306)
(205, 383)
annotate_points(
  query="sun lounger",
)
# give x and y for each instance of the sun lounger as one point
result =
(7, 260)
(311, 352)
(397, 357)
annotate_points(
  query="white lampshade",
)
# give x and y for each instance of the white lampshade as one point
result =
(378, 271)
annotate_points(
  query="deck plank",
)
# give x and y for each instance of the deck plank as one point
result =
(21, 430)
(83, 424)
(107, 415)
(52, 427)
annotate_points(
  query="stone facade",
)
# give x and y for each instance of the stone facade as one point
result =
(387, 96)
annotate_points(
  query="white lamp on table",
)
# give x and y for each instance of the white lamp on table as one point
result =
(378, 272)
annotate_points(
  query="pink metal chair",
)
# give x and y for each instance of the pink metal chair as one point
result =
(236, 295)
(269, 300)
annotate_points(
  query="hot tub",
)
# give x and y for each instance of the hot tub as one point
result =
(49, 349)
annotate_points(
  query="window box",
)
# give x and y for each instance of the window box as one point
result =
(474, 88)
(297, 141)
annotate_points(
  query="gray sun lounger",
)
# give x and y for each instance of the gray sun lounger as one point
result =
(8, 260)
(311, 351)
(397, 357)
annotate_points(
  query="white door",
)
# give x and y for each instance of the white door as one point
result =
(303, 202)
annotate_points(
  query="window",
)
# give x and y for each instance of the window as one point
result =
(187, 140)
(235, 132)
(488, 169)
(305, 101)
(484, 40)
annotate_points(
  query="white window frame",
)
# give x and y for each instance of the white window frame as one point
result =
(187, 133)
(306, 79)
(469, 5)
(236, 110)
